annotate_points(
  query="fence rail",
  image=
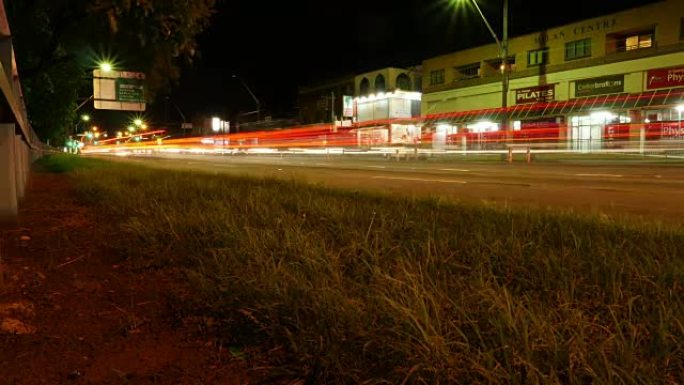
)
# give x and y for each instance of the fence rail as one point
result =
(19, 144)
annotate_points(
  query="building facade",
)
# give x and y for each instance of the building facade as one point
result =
(386, 105)
(621, 73)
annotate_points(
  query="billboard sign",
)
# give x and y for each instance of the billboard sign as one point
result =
(119, 90)
(665, 77)
(537, 94)
(599, 86)
(347, 106)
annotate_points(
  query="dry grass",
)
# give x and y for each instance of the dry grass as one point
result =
(361, 288)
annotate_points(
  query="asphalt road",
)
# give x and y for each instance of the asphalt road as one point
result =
(630, 189)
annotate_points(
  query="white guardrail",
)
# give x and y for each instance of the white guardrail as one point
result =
(19, 144)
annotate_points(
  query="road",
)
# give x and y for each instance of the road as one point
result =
(626, 189)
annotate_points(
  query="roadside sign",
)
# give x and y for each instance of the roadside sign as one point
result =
(119, 90)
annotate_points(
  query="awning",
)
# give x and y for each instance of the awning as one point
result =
(611, 102)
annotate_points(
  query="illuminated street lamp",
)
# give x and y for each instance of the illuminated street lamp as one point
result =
(502, 45)
(138, 122)
(131, 128)
(85, 118)
(105, 66)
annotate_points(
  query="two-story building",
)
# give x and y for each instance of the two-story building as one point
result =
(583, 78)
(387, 105)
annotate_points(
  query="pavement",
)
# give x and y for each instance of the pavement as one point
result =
(630, 189)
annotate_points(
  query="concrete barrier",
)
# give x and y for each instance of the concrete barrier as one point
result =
(8, 173)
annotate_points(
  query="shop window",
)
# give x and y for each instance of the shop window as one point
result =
(468, 71)
(537, 57)
(578, 49)
(436, 77)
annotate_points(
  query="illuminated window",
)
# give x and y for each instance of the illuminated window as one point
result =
(638, 41)
(578, 49)
(436, 77)
(538, 57)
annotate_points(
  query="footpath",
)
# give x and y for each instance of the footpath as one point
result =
(73, 312)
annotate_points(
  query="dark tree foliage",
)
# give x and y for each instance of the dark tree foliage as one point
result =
(59, 42)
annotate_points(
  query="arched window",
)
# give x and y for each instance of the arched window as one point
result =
(404, 82)
(364, 87)
(379, 83)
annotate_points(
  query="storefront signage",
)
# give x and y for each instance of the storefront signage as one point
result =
(577, 31)
(665, 77)
(599, 86)
(537, 94)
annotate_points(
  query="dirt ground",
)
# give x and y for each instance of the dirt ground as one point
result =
(71, 312)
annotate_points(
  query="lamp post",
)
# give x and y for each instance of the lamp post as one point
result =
(258, 104)
(502, 46)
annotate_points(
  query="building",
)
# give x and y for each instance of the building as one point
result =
(323, 103)
(387, 105)
(613, 76)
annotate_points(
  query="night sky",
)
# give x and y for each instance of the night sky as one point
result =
(276, 46)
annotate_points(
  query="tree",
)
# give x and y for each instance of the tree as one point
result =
(58, 42)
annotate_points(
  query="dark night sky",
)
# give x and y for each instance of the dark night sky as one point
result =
(275, 46)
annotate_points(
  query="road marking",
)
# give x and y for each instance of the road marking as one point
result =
(453, 169)
(420, 179)
(377, 166)
(601, 175)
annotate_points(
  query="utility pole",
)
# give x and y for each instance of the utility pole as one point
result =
(332, 107)
(504, 74)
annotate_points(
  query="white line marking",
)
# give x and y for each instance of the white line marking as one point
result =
(453, 169)
(377, 166)
(601, 175)
(420, 179)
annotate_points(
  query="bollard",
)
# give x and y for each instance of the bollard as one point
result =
(528, 155)
(510, 155)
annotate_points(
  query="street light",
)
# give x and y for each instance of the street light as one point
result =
(85, 118)
(258, 105)
(502, 46)
(105, 66)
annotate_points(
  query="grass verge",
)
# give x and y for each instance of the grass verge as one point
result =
(361, 288)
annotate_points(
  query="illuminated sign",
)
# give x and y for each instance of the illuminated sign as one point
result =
(665, 77)
(537, 94)
(347, 106)
(598, 86)
(118, 90)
